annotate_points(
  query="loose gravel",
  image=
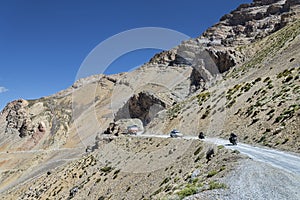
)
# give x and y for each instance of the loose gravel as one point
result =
(255, 180)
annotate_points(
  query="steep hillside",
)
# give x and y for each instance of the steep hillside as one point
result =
(258, 100)
(134, 168)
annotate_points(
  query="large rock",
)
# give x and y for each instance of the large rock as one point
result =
(143, 106)
(18, 119)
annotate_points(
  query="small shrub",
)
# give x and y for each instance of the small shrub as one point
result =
(202, 97)
(285, 140)
(262, 139)
(174, 111)
(284, 73)
(115, 176)
(198, 150)
(250, 110)
(266, 79)
(230, 104)
(106, 169)
(236, 151)
(205, 114)
(157, 192)
(256, 92)
(249, 100)
(197, 159)
(278, 119)
(271, 111)
(276, 131)
(166, 180)
(176, 179)
(287, 79)
(117, 171)
(263, 92)
(257, 80)
(221, 109)
(233, 90)
(270, 86)
(222, 168)
(215, 185)
(237, 112)
(255, 120)
(189, 190)
(255, 113)
(211, 173)
(246, 87)
(214, 112)
(287, 113)
(258, 104)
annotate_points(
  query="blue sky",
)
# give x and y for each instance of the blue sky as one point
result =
(44, 42)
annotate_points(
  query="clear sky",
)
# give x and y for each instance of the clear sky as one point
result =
(44, 42)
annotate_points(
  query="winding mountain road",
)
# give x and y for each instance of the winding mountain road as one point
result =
(278, 159)
(270, 174)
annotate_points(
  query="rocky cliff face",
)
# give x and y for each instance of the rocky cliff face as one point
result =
(250, 22)
(18, 119)
(247, 24)
(36, 124)
(143, 106)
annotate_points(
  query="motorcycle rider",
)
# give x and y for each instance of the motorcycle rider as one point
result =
(233, 139)
(201, 135)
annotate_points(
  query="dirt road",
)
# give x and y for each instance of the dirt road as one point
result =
(269, 174)
(278, 159)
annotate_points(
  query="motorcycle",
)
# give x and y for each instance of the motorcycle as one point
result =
(201, 135)
(233, 139)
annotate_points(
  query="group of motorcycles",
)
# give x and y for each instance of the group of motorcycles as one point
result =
(232, 138)
(175, 133)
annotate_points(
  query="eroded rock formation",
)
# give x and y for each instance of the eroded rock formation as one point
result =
(18, 119)
(143, 106)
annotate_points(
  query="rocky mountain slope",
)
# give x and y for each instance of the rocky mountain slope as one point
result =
(134, 168)
(258, 100)
(241, 75)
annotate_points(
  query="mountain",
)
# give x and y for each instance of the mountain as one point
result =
(241, 75)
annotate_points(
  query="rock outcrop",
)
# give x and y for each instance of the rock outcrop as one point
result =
(18, 119)
(250, 22)
(247, 24)
(143, 106)
(116, 129)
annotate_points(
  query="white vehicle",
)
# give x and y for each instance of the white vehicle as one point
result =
(132, 130)
(175, 133)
